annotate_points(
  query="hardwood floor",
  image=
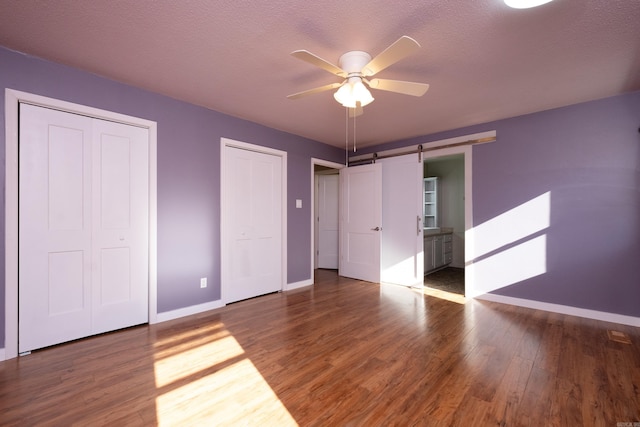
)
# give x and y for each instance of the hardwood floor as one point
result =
(344, 352)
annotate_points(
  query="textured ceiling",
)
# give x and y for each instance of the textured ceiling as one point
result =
(483, 60)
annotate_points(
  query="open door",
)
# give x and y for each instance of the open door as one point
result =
(402, 259)
(361, 222)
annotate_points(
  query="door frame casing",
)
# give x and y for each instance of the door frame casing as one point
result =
(12, 181)
(466, 151)
(227, 142)
(326, 163)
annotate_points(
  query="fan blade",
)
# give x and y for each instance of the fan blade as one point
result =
(314, 90)
(402, 48)
(399, 86)
(312, 59)
(355, 112)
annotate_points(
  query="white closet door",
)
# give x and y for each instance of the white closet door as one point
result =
(120, 227)
(83, 215)
(54, 227)
(253, 223)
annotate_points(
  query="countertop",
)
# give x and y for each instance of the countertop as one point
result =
(428, 232)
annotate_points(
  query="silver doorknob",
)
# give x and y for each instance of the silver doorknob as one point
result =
(376, 229)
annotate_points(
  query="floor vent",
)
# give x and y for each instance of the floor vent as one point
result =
(619, 337)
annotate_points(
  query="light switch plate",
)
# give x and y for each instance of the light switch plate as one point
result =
(298, 203)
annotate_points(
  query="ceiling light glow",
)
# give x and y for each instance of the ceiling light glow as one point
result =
(525, 4)
(352, 92)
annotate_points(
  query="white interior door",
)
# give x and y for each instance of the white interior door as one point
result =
(327, 194)
(54, 228)
(120, 226)
(402, 260)
(252, 223)
(361, 222)
(76, 188)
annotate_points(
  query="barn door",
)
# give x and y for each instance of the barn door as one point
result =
(402, 259)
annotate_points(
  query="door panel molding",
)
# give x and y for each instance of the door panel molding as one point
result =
(225, 235)
(361, 222)
(12, 100)
(402, 259)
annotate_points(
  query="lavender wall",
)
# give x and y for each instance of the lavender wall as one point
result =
(588, 157)
(188, 174)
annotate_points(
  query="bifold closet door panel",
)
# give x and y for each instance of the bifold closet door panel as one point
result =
(83, 226)
(54, 227)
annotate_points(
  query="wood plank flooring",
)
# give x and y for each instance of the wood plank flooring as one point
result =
(341, 353)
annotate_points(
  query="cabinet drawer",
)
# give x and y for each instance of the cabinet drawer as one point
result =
(447, 247)
(448, 257)
(447, 237)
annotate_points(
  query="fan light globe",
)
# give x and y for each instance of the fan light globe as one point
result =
(361, 93)
(350, 94)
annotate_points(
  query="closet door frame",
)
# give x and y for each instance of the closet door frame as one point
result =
(12, 100)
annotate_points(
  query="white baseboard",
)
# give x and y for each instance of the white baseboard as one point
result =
(187, 311)
(564, 309)
(297, 285)
(2, 354)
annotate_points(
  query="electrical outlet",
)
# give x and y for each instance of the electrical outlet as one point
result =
(203, 282)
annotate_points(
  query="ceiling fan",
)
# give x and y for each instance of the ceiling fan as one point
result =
(355, 67)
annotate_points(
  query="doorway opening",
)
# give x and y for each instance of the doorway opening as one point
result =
(445, 181)
(325, 195)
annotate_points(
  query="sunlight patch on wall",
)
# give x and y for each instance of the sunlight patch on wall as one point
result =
(521, 262)
(513, 225)
(511, 247)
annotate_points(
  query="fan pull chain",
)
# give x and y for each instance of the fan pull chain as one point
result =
(354, 130)
(346, 138)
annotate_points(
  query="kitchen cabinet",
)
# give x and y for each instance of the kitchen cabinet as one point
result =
(430, 202)
(438, 253)
(428, 254)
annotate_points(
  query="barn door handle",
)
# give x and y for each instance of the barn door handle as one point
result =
(419, 228)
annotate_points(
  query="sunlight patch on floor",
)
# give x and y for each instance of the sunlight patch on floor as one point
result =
(191, 361)
(448, 296)
(200, 386)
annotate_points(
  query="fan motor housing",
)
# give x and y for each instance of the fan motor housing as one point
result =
(354, 61)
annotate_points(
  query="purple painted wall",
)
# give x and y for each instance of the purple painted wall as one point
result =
(588, 157)
(188, 174)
